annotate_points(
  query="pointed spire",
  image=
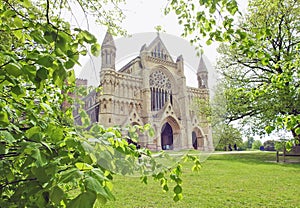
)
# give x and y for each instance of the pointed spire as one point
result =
(202, 66)
(202, 74)
(108, 52)
(108, 40)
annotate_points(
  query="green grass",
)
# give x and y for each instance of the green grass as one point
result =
(235, 180)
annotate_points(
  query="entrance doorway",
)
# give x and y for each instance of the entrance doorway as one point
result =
(194, 140)
(166, 137)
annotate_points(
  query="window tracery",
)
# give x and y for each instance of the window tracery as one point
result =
(160, 80)
(161, 90)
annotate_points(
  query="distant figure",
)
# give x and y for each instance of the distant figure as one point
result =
(229, 147)
(235, 147)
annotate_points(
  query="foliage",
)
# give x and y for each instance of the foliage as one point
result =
(201, 19)
(248, 143)
(270, 145)
(279, 145)
(45, 160)
(226, 134)
(261, 67)
(256, 144)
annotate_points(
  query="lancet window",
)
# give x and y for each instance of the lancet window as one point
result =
(161, 90)
(159, 52)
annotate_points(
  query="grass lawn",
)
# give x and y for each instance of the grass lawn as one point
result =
(229, 180)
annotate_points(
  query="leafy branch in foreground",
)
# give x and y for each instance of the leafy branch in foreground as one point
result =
(212, 20)
(45, 160)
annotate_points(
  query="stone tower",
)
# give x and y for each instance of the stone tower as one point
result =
(108, 52)
(202, 74)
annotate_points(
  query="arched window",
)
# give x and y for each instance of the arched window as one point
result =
(161, 90)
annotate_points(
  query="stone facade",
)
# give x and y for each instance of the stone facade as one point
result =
(151, 88)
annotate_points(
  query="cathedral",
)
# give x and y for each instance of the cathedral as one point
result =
(150, 88)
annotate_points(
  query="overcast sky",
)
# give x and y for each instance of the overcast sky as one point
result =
(143, 16)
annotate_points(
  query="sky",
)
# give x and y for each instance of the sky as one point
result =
(143, 16)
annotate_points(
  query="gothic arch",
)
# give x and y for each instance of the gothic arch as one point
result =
(198, 138)
(167, 73)
(169, 133)
(162, 87)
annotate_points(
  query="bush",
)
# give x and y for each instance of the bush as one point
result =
(256, 144)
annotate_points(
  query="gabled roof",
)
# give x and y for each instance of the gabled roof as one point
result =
(157, 46)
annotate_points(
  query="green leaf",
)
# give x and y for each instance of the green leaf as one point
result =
(42, 73)
(34, 133)
(13, 69)
(159, 175)
(88, 37)
(38, 37)
(265, 61)
(26, 3)
(83, 200)
(40, 173)
(94, 185)
(40, 159)
(269, 129)
(177, 189)
(260, 55)
(83, 166)
(18, 91)
(54, 132)
(144, 179)
(3, 117)
(50, 36)
(297, 131)
(69, 175)
(3, 149)
(46, 61)
(70, 64)
(46, 108)
(165, 187)
(7, 136)
(18, 22)
(57, 195)
(208, 42)
(177, 197)
(96, 49)
(100, 201)
(151, 132)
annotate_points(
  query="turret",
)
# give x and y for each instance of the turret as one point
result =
(108, 52)
(202, 74)
(180, 64)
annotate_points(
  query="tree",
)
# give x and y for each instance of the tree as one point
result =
(256, 144)
(261, 60)
(261, 66)
(45, 160)
(270, 145)
(227, 134)
(248, 143)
